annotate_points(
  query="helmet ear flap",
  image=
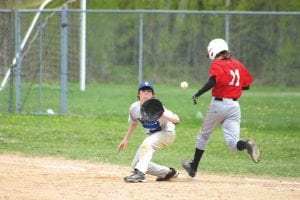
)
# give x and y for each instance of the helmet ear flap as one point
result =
(212, 56)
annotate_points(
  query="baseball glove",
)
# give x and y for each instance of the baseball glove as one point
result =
(151, 110)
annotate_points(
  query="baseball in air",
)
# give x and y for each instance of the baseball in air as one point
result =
(184, 84)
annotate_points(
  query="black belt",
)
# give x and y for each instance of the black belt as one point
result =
(155, 130)
(221, 99)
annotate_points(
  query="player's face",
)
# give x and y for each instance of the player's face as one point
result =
(145, 95)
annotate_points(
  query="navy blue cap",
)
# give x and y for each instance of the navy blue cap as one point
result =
(146, 84)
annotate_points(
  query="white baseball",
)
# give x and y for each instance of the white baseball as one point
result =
(184, 84)
(50, 111)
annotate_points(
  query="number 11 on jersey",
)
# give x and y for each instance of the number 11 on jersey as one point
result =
(235, 81)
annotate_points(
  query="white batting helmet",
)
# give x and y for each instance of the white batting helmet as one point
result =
(216, 46)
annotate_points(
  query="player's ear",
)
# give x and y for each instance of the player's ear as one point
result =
(138, 95)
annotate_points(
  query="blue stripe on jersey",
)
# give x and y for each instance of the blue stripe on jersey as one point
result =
(150, 125)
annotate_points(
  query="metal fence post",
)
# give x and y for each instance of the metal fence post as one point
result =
(41, 51)
(64, 60)
(227, 23)
(140, 78)
(18, 61)
(11, 76)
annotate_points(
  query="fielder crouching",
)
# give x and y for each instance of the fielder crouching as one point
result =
(159, 133)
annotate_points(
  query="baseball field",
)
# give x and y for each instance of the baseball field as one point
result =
(74, 156)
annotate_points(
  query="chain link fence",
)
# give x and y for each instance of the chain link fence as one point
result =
(133, 45)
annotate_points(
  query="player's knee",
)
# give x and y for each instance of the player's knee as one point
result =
(145, 147)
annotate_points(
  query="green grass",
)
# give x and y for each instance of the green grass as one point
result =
(97, 121)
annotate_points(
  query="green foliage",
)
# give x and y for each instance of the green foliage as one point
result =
(244, 5)
(176, 44)
(98, 121)
(172, 43)
(35, 4)
(254, 5)
(19, 4)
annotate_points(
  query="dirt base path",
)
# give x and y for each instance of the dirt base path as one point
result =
(57, 178)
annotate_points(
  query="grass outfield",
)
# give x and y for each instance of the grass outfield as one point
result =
(98, 121)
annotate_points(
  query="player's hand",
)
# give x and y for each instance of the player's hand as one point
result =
(194, 99)
(122, 145)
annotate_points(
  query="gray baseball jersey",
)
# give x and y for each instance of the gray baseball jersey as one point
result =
(135, 117)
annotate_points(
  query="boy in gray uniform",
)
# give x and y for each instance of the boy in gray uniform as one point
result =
(160, 133)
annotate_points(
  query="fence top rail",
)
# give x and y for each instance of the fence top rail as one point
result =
(164, 11)
(5, 10)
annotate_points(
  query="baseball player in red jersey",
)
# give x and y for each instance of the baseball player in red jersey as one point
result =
(227, 78)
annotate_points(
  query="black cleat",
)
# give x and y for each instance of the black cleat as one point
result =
(252, 150)
(186, 164)
(173, 173)
(135, 177)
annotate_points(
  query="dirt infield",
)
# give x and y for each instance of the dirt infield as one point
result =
(57, 178)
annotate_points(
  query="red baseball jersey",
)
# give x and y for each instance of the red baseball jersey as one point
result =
(231, 76)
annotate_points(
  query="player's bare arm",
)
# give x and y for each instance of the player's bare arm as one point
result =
(123, 144)
(171, 117)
